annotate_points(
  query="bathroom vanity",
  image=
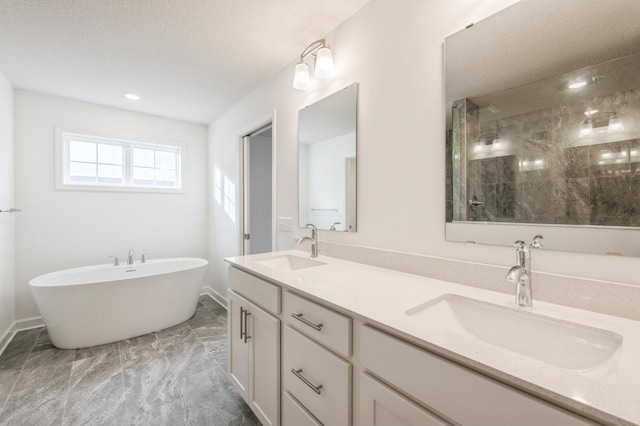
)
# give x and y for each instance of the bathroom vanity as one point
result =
(333, 342)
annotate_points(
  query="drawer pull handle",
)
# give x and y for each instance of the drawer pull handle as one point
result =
(246, 327)
(244, 313)
(241, 323)
(298, 374)
(303, 320)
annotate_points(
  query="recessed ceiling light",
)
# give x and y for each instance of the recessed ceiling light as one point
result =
(577, 84)
(132, 96)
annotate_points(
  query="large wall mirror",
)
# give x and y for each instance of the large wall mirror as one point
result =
(543, 126)
(327, 142)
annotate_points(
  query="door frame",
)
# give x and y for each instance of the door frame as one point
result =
(257, 127)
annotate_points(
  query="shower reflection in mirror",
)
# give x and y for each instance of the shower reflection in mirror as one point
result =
(580, 151)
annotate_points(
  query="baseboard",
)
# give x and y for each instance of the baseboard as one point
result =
(16, 326)
(7, 336)
(214, 295)
(29, 323)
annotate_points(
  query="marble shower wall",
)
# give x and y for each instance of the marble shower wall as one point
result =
(534, 167)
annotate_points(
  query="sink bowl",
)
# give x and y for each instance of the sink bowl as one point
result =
(563, 344)
(289, 262)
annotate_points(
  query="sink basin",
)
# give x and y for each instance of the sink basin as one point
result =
(289, 262)
(563, 344)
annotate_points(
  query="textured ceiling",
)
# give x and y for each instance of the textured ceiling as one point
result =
(188, 59)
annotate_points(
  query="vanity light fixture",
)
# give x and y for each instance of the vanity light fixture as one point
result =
(586, 129)
(132, 96)
(616, 124)
(323, 64)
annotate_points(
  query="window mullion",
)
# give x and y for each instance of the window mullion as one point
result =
(128, 165)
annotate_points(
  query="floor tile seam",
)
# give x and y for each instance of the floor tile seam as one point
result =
(15, 383)
(194, 332)
(66, 399)
(124, 387)
(220, 366)
(87, 372)
(165, 343)
(163, 353)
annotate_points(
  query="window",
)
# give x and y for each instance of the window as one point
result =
(217, 185)
(93, 162)
(230, 198)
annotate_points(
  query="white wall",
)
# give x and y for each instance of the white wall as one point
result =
(7, 227)
(62, 229)
(394, 49)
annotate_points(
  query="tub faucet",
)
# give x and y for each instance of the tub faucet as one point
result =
(520, 274)
(313, 239)
(130, 258)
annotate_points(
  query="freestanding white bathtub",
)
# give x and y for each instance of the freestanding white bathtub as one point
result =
(100, 304)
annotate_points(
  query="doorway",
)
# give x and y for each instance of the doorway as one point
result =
(258, 230)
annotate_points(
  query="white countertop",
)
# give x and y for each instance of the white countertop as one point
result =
(381, 296)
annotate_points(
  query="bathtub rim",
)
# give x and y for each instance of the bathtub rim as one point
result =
(198, 262)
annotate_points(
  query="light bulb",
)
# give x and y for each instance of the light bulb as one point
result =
(615, 124)
(324, 63)
(301, 77)
(577, 84)
(586, 129)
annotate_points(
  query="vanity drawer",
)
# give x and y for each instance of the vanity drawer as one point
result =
(453, 391)
(294, 414)
(382, 406)
(322, 324)
(262, 293)
(323, 381)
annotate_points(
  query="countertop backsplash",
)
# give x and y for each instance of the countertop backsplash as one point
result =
(619, 299)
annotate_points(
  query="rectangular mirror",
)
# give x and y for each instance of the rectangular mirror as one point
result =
(543, 137)
(327, 145)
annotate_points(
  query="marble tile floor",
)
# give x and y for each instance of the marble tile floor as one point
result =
(172, 377)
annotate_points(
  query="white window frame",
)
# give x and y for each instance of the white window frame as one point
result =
(62, 161)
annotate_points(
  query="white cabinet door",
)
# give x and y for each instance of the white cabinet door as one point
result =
(238, 349)
(382, 406)
(264, 359)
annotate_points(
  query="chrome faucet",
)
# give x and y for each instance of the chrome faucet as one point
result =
(333, 226)
(520, 274)
(130, 258)
(313, 239)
